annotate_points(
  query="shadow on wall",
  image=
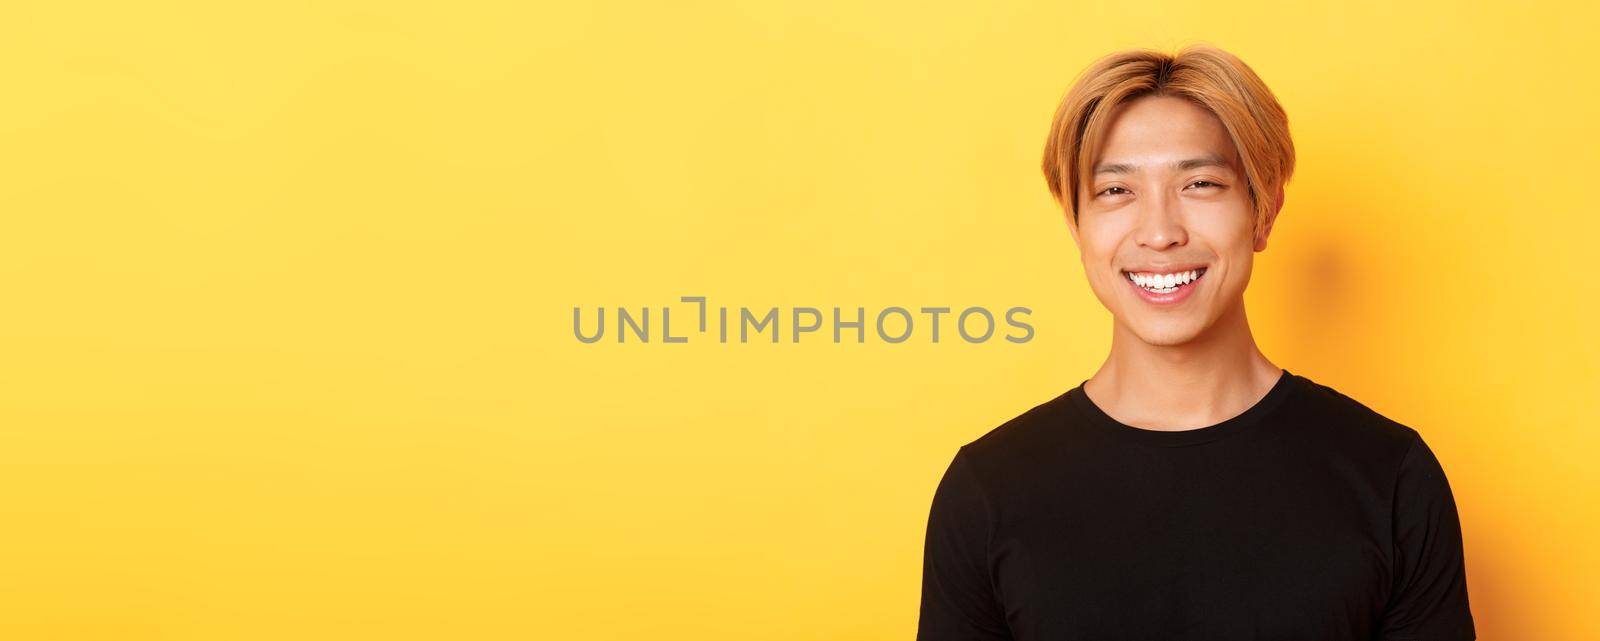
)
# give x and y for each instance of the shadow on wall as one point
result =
(1345, 316)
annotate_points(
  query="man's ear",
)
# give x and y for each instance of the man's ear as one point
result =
(1272, 215)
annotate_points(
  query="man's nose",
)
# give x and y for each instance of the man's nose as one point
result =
(1161, 222)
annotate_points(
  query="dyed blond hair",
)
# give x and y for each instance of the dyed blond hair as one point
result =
(1205, 75)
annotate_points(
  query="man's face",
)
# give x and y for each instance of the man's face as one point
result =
(1167, 245)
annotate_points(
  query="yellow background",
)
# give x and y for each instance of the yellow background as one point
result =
(288, 288)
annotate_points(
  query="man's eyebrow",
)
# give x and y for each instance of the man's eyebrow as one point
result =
(1208, 160)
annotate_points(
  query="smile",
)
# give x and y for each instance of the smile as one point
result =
(1164, 287)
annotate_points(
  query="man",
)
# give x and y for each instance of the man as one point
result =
(1190, 489)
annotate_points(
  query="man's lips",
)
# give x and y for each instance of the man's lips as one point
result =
(1163, 268)
(1165, 285)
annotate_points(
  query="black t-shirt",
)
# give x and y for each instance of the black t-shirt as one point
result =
(1307, 517)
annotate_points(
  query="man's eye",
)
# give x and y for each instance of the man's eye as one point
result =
(1204, 183)
(1108, 190)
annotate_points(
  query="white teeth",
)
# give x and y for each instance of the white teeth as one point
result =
(1163, 283)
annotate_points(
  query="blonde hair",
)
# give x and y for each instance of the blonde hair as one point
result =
(1205, 75)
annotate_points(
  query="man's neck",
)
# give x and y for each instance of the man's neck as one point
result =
(1205, 381)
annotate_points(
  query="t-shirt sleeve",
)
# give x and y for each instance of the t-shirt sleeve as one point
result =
(1429, 599)
(958, 595)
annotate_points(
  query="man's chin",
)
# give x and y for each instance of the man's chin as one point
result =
(1165, 335)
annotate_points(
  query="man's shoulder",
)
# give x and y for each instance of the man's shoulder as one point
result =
(1025, 432)
(1342, 416)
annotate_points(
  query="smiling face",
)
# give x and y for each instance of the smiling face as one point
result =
(1165, 224)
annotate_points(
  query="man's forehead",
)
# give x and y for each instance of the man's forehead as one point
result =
(1172, 161)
